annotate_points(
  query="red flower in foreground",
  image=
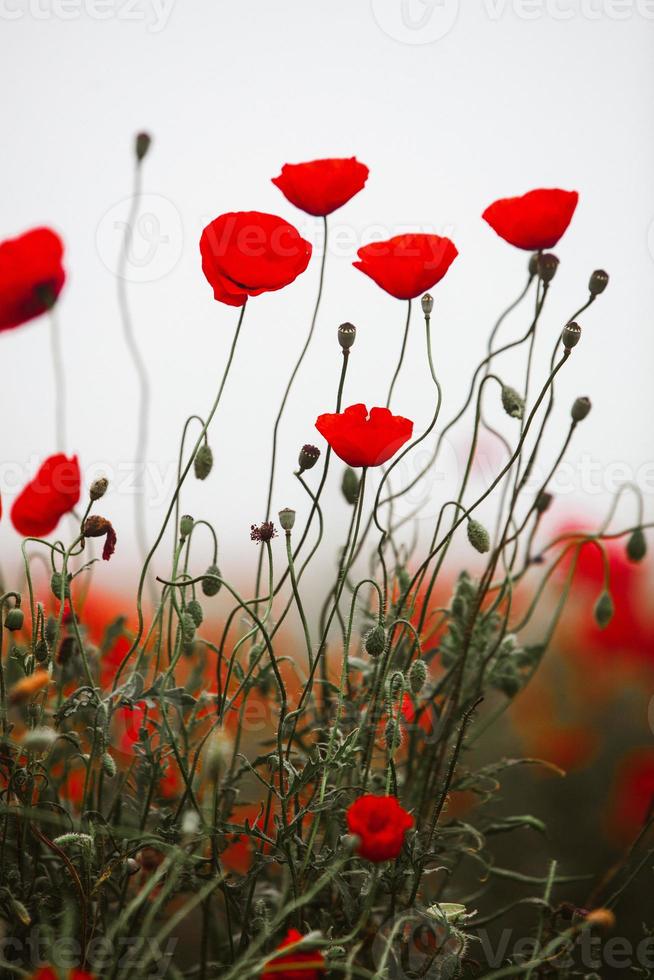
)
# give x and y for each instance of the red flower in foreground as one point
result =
(49, 973)
(633, 792)
(534, 221)
(302, 965)
(407, 265)
(31, 276)
(364, 440)
(321, 186)
(380, 823)
(245, 253)
(53, 492)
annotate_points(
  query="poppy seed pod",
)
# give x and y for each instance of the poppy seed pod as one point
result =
(211, 584)
(350, 486)
(636, 545)
(417, 675)
(375, 641)
(533, 264)
(427, 303)
(194, 610)
(580, 409)
(599, 280)
(478, 537)
(203, 462)
(543, 501)
(604, 609)
(309, 456)
(186, 525)
(287, 518)
(347, 334)
(142, 145)
(41, 651)
(98, 488)
(547, 266)
(571, 335)
(512, 402)
(14, 619)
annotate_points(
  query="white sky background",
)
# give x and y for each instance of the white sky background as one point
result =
(513, 96)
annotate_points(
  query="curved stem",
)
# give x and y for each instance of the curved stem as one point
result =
(402, 353)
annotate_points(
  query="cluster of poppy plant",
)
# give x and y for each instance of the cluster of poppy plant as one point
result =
(245, 254)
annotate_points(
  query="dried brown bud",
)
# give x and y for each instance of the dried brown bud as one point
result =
(308, 457)
(142, 145)
(427, 303)
(98, 488)
(98, 527)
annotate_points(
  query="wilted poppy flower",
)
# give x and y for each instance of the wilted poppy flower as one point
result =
(302, 964)
(99, 527)
(245, 253)
(31, 276)
(53, 492)
(362, 439)
(534, 221)
(321, 186)
(407, 265)
(380, 823)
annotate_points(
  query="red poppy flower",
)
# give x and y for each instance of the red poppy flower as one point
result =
(302, 965)
(321, 186)
(245, 253)
(49, 973)
(381, 824)
(53, 492)
(534, 221)
(633, 792)
(407, 265)
(364, 440)
(31, 276)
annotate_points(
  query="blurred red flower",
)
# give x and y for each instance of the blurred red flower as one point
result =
(245, 253)
(53, 492)
(633, 792)
(31, 276)
(381, 824)
(302, 965)
(407, 265)
(49, 973)
(362, 439)
(534, 221)
(321, 186)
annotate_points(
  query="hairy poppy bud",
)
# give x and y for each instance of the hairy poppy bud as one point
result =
(41, 651)
(547, 266)
(347, 333)
(203, 462)
(211, 584)
(392, 735)
(194, 609)
(580, 409)
(308, 457)
(98, 488)
(533, 264)
(287, 518)
(14, 619)
(571, 335)
(142, 145)
(478, 537)
(512, 402)
(50, 630)
(187, 624)
(427, 303)
(108, 765)
(604, 610)
(350, 486)
(58, 585)
(636, 545)
(417, 675)
(543, 501)
(186, 523)
(375, 641)
(599, 280)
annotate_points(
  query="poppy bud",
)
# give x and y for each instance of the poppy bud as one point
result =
(58, 585)
(350, 486)
(50, 630)
(108, 765)
(347, 333)
(604, 610)
(308, 457)
(543, 501)
(98, 488)
(636, 545)
(132, 867)
(203, 462)
(513, 403)
(580, 409)
(194, 609)
(142, 145)
(599, 280)
(375, 641)
(392, 735)
(547, 266)
(287, 518)
(41, 651)
(186, 525)
(427, 303)
(478, 537)
(571, 335)
(187, 624)
(14, 619)
(417, 676)
(533, 264)
(211, 584)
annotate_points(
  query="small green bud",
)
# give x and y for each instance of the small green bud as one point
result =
(599, 280)
(98, 488)
(417, 676)
(392, 735)
(375, 641)
(187, 624)
(571, 335)
(58, 585)
(41, 651)
(287, 518)
(478, 537)
(309, 456)
(50, 630)
(347, 334)
(14, 619)
(142, 145)
(132, 867)
(203, 462)
(427, 303)
(108, 765)
(350, 486)
(211, 586)
(194, 609)
(186, 523)
(543, 501)
(636, 545)
(580, 409)
(512, 402)
(547, 266)
(604, 610)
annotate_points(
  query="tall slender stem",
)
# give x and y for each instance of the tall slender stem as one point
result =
(59, 382)
(402, 353)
